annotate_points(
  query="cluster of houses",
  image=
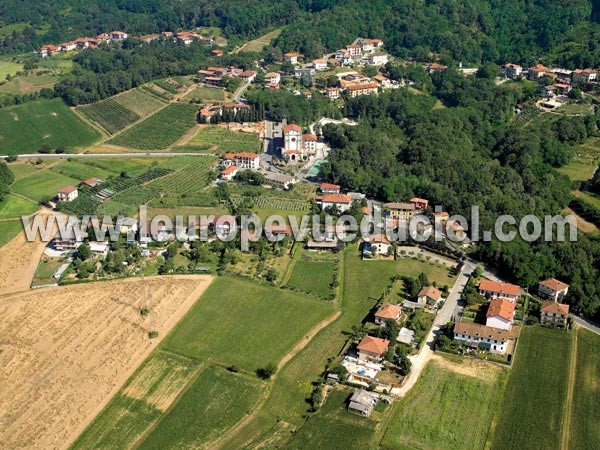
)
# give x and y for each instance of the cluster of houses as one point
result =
(361, 52)
(182, 38)
(498, 331)
(216, 76)
(207, 114)
(71, 193)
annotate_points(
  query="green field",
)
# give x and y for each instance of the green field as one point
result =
(216, 401)
(312, 277)
(258, 44)
(590, 198)
(24, 128)
(8, 230)
(585, 160)
(245, 324)
(215, 139)
(117, 112)
(532, 412)
(9, 68)
(585, 407)
(333, 427)
(41, 184)
(14, 207)
(22, 170)
(140, 403)
(80, 170)
(160, 130)
(192, 175)
(446, 410)
(206, 94)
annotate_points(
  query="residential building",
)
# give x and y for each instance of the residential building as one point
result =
(378, 59)
(513, 71)
(500, 314)
(280, 180)
(580, 76)
(319, 64)
(562, 88)
(403, 211)
(387, 312)
(118, 35)
(291, 57)
(354, 50)
(341, 201)
(186, 38)
(537, 71)
(207, 41)
(383, 81)
(379, 244)
(68, 46)
(354, 90)
(372, 349)
(309, 144)
(67, 194)
(332, 93)
(436, 68)
(273, 78)
(343, 56)
(216, 53)
(242, 160)
(228, 173)
(481, 336)
(362, 402)
(248, 76)
(548, 91)
(494, 289)
(554, 313)
(328, 188)
(553, 289)
(66, 243)
(430, 296)
(421, 204)
(49, 50)
(443, 216)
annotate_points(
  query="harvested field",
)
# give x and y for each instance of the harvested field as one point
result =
(66, 351)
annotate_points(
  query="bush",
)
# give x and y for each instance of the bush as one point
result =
(266, 372)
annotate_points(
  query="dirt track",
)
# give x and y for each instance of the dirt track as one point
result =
(67, 350)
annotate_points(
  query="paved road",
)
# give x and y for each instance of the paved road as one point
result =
(585, 324)
(445, 315)
(240, 92)
(104, 155)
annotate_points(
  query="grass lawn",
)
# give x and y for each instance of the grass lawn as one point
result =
(159, 130)
(215, 402)
(139, 403)
(14, 207)
(585, 412)
(258, 44)
(312, 277)
(213, 139)
(24, 128)
(533, 408)
(41, 184)
(446, 410)
(8, 230)
(9, 68)
(242, 323)
(333, 427)
(206, 94)
(414, 267)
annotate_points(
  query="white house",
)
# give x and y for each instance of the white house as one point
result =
(378, 59)
(248, 76)
(513, 70)
(387, 312)
(553, 289)
(309, 144)
(328, 188)
(341, 201)
(429, 295)
(493, 289)
(554, 313)
(500, 314)
(292, 57)
(354, 90)
(332, 93)
(481, 336)
(242, 160)
(319, 64)
(118, 35)
(229, 173)
(379, 244)
(273, 78)
(67, 194)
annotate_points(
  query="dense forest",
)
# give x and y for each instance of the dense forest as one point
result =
(6, 179)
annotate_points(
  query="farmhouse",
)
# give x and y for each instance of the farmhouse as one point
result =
(536, 72)
(354, 90)
(436, 68)
(319, 64)
(229, 173)
(513, 70)
(429, 295)
(500, 314)
(328, 188)
(386, 312)
(493, 289)
(67, 194)
(273, 78)
(383, 81)
(553, 289)
(362, 402)
(90, 182)
(403, 211)
(481, 336)
(248, 76)
(186, 38)
(372, 349)
(49, 50)
(242, 160)
(341, 201)
(68, 46)
(216, 53)
(378, 245)
(554, 313)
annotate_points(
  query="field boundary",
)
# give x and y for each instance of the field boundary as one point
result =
(566, 427)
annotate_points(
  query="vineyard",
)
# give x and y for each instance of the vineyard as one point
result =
(115, 113)
(529, 113)
(219, 139)
(274, 203)
(192, 177)
(160, 130)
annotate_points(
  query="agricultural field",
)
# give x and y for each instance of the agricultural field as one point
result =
(205, 94)
(245, 324)
(312, 277)
(192, 175)
(42, 184)
(214, 403)
(216, 139)
(9, 68)
(585, 404)
(8, 230)
(160, 130)
(80, 170)
(258, 44)
(24, 128)
(115, 113)
(451, 408)
(585, 160)
(140, 403)
(589, 198)
(14, 207)
(532, 413)
(23, 169)
(275, 204)
(333, 427)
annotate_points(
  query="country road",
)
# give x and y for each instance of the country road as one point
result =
(594, 328)
(105, 155)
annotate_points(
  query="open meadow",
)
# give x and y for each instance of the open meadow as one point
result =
(25, 128)
(8, 230)
(66, 351)
(258, 44)
(160, 130)
(532, 412)
(14, 207)
(451, 407)
(312, 277)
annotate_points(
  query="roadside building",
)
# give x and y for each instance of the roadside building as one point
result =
(553, 289)
(372, 349)
(500, 314)
(481, 336)
(494, 289)
(553, 313)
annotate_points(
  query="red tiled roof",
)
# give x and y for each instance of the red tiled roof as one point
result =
(554, 284)
(379, 239)
(374, 345)
(336, 198)
(389, 312)
(229, 170)
(67, 190)
(292, 127)
(555, 308)
(502, 307)
(499, 288)
(358, 87)
(329, 186)
(481, 331)
(309, 137)
(431, 292)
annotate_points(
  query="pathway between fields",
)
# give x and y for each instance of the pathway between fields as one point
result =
(566, 429)
(237, 429)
